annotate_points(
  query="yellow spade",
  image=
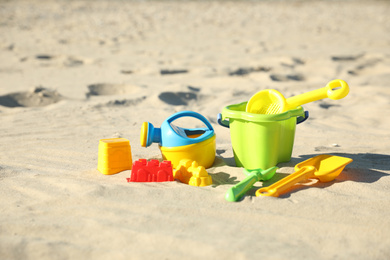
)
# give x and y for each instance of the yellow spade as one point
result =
(270, 101)
(323, 167)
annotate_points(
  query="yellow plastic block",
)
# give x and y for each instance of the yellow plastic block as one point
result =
(114, 155)
(191, 173)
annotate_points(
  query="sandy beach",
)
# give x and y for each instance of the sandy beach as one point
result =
(75, 72)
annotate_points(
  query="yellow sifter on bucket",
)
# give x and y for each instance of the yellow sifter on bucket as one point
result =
(270, 101)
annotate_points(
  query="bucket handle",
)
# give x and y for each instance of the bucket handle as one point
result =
(225, 123)
(301, 119)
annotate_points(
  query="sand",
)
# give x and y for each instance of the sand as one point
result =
(75, 72)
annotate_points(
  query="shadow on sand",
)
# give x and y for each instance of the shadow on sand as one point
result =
(365, 168)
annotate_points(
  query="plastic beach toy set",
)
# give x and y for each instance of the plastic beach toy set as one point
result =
(262, 134)
(186, 153)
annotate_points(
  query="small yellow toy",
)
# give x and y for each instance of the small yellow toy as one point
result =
(114, 155)
(191, 173)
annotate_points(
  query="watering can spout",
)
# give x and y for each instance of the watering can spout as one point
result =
(149, 134)
(155, 134)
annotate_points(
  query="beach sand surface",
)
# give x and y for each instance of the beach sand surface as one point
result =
(75, 72)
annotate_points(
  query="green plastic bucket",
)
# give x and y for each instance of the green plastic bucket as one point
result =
(261, 141)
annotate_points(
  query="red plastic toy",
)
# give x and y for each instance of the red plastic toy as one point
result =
(151, 171)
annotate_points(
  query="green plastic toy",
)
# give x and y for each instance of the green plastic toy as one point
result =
(252, 176)
(261, 141)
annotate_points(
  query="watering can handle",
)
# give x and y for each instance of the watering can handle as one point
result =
(190, 114)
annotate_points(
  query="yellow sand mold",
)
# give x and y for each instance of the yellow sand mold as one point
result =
(191, 173)
(114, 155)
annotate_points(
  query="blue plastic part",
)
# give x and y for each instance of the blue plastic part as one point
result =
(153, 135)
(224, 123)
(301, 119)
(169, 135)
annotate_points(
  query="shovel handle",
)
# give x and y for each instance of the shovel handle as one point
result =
(335, 89)
(239, 190)
(284, 184)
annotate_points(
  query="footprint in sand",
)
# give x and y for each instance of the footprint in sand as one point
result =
(298, 61)
(74, 61)
(44, 57)
(170, 72)
(288, 77)
(245, 71)
(177, 98)
(126, 102)
(126, 71)
(103, 89)
(122, 102)
(327, 106)
(284, 69)
(347, 57)
(67, 61)
(180, 98)
(292, 62)
(194, 89)
(372, 66)
(37, 97)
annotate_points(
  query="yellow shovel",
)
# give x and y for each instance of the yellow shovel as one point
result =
(323, 167)
(270, 101)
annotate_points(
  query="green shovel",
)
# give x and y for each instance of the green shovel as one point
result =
(252, 176)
